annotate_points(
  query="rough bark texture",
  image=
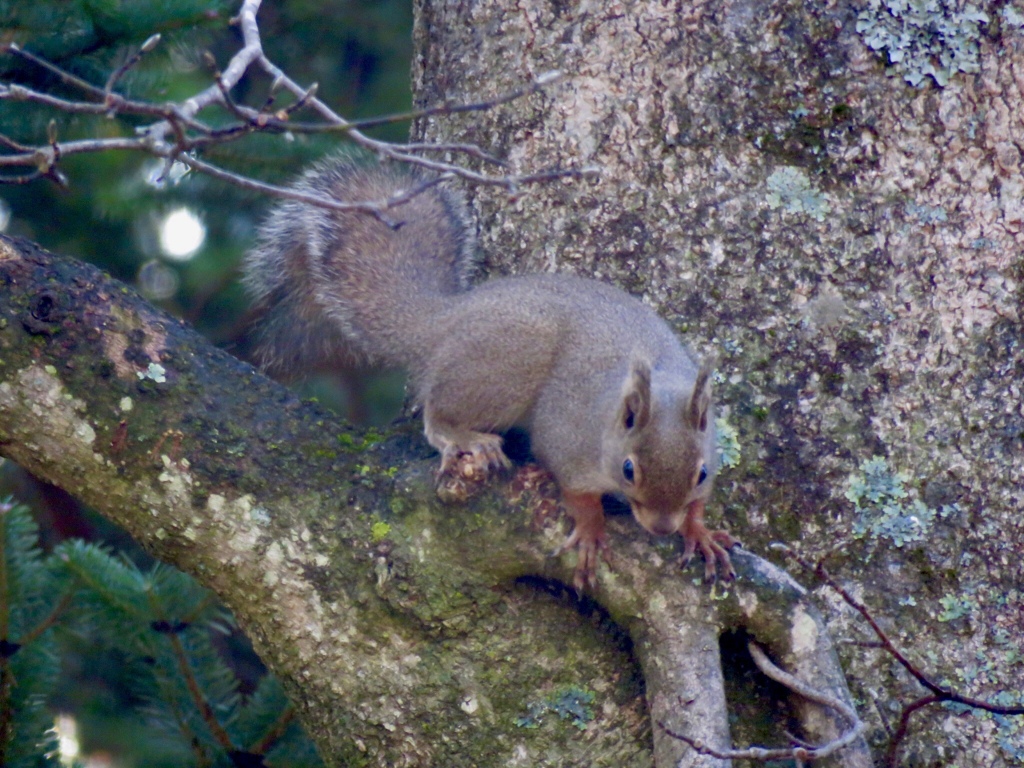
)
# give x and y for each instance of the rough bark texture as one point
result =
(395, 623)
(851, 248)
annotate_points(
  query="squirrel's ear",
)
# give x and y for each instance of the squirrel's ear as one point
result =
(635, 411)
(699, 407)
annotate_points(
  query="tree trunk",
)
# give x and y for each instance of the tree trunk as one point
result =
(848, 245)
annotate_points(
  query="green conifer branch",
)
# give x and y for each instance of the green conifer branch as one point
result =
(5, 597)
(274, 732)
(198, 698)
(50, 620)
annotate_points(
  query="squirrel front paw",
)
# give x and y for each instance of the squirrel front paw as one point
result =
(714, 545)
(588, 548)
(479, 454)
(588, 537)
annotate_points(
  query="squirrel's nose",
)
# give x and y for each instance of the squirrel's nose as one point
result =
(662, 527)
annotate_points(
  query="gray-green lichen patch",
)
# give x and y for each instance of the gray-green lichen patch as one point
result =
(728, 443)
(927, 214)
(154, 372)
(886, 509)
(569, 703)
(790, 188)
(1012, 17)
(924, 38)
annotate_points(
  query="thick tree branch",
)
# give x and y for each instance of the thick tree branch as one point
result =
(273, 504)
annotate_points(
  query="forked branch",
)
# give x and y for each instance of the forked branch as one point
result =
(179, 136)
(937, 693)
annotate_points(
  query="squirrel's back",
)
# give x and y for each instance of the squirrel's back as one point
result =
(613, 402)
(346, 287)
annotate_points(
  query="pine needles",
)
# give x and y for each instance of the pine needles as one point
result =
(162, 626)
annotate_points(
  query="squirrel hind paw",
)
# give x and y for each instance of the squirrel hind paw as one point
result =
(466, 468)
(480, 455)
(714, 546)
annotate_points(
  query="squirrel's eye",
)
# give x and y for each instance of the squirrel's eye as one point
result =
(703, 474)
(627, 470)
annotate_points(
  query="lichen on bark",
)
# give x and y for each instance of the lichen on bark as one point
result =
(878, 317)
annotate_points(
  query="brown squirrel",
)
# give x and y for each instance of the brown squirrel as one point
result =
(612, 401)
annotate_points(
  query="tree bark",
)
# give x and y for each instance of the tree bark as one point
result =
(395, 623)
(847, 244)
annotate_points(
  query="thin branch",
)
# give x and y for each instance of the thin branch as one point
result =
(375, 208)
(274, 733)
(22, 179)
(9, 143)
(197, 610)
(177, 134)
(168, 695)
(253, 48)
(467, 149)
(115, 104)
(801, 753)
(151, 42)
(946, 694)
(53, 69)
(448, 108)
(938, 693)
(198, 698)
(21, 93)
(36, 632)
(770, 670)
(237, 67)
(796, 685)
(893, 751)
(760, 754)
(44, 155)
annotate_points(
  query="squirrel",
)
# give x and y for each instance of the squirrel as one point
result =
(611, 399)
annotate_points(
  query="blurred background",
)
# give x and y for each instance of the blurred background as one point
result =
(178, 241)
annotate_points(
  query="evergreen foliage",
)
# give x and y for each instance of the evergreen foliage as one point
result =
(30, 594)
(116, 648)
(161, 625)
(357, 52)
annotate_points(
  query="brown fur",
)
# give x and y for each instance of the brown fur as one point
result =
(594, 375)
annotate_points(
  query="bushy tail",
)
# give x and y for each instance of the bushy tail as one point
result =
(346, 288)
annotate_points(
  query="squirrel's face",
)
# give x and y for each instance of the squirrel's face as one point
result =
(657, 450)
(665, 520)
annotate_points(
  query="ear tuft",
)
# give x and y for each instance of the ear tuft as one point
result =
(699, 407)
(635, 410)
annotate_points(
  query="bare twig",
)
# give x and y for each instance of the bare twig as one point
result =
(811, 694)
(536, 86)
(177, 134)
(116, 104)
(53, 69)
(151, 42)
(199, 699)
(760, 754)
(188, 734)
(893, 750)
(274, 733)
(49, 620)
(938, 693)
(801, 753)
(376, 208)
(467, 149)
